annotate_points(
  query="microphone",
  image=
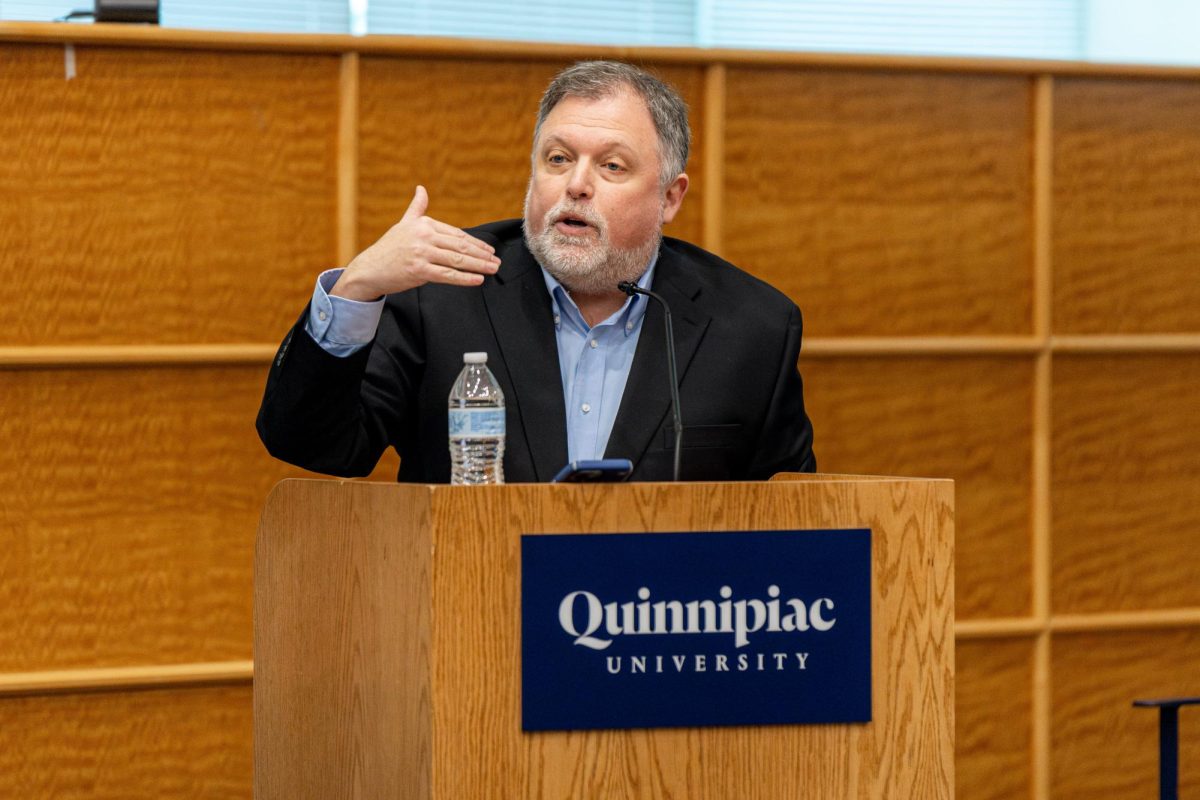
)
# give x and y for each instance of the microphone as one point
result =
(631, 289)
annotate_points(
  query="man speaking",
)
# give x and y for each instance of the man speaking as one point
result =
(583, 366)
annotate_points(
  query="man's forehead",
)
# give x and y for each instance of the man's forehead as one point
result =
(620, 117)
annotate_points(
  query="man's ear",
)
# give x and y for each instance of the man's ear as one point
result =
(673, 196)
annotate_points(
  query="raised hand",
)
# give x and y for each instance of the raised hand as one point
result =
(417, 250)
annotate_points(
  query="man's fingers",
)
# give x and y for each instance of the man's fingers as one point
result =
(447, 230)
(458, 233)
(454, 277)
(418, 206)
(467, 245)
(457, 260)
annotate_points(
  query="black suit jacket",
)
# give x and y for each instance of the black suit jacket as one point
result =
(737, 341)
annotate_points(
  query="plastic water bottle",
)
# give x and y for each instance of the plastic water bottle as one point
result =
(476, 424)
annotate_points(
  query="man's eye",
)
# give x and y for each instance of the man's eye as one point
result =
(612, 166)
(557, 158)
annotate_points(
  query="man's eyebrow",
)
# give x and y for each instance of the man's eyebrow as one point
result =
(607, 146)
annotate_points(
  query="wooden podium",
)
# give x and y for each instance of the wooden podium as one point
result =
(387, 646)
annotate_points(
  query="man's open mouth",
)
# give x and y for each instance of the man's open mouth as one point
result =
(571, 225)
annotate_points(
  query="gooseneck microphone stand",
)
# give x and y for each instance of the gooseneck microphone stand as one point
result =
(631, 289)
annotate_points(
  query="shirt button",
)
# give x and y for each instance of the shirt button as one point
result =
(585, 408)
(322, 316)
(595, 344)
(628, 327)
(557, 319)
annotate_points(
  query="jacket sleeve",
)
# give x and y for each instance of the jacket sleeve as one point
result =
(785, 440)
(336, 415)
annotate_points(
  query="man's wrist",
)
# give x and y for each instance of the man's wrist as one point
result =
(349, 287)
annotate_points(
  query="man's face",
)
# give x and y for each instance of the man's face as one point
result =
(595, 206)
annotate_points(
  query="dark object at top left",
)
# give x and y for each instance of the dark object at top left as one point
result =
(144, 11)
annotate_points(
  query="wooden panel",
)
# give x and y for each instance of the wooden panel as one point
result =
(464, 130)
(1101, 746)
(993, 711)
(343, 641)
(1127, 206)
(1126, 452)
(129, 512)
(159, 198)
(899, 755)
(190, 743)
(883, 204)
(961, 418)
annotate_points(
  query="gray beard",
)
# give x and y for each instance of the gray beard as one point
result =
(592, 267)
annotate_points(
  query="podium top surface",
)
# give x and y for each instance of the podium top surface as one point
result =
(783, 477)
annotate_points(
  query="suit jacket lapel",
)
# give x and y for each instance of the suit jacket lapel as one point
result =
(647, 397)
(519, 308)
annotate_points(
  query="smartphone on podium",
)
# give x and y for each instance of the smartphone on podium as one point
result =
(603, 470)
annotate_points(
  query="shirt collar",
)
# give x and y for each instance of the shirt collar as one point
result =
(629, 315)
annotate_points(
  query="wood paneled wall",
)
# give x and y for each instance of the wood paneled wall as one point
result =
(999, 264)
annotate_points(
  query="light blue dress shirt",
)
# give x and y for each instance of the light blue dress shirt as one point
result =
(595, 364)
(340, 325)
(594, 361)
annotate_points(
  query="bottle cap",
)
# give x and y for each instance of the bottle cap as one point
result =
(474, 358)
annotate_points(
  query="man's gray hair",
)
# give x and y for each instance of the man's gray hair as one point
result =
(594, 80)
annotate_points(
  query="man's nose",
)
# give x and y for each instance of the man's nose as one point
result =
(579, 184)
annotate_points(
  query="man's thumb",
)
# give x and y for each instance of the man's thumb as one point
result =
(419, 204)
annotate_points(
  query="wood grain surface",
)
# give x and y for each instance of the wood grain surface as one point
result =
(342, 644)
(1127, 206)
(163, 744)
(128, 514)
(993, 709)
(357, 586)
(1126, 503)
(162, 198)
(883, 204)
(154, 676)
(464, 130)
(1102, 747)
(962, 418)
(897, 755)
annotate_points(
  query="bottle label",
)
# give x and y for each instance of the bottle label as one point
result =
(477, 422)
